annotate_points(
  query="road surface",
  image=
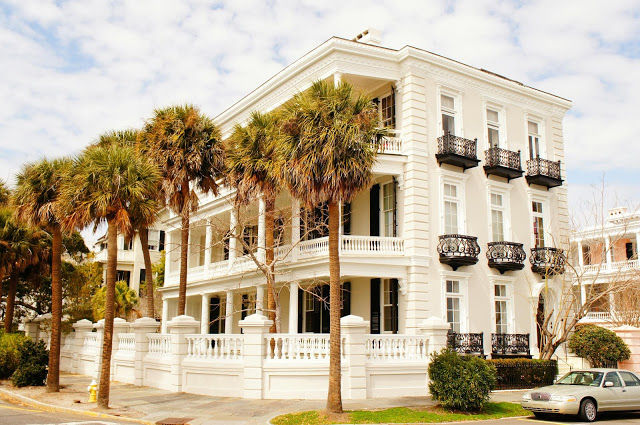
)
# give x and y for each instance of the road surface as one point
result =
(16, 414)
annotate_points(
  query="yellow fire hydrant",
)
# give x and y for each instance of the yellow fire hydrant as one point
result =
(93, 390)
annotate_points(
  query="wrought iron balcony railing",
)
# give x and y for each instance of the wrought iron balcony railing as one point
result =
(544, 172)
(547, 261)
(458, 250)
(503, 163)
(506, 256)
(510, 344)
(457, 151)
(466, 343)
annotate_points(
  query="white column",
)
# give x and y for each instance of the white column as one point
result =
(261, 230)
(208, 243)
(293, 307)
(580, 256)
(228, 323)
(260, 299)
(204, 315)
(233, 242)
(607, 241)
(167, 253)
(165, 314)
(295, 227)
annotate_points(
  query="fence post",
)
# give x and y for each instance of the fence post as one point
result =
(99, 327)
(81, 329)
(254, 327)
(120, 326)
(178, 327)
(142, 327)
(354, 328)
(435, 329)
(31, 329)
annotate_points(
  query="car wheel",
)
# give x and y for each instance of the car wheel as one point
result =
(588, 410)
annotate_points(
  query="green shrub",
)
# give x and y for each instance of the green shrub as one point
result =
(600, 346)
(33, 359)
(9, 353)
(524, 373)
(460, 382)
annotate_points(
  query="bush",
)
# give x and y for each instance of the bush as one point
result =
(33, 359)
(460, 382)
(9, 353)
(600, 346)
(524, 373)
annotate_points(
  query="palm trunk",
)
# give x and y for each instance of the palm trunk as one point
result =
(268, 241)
(148, 275)
(334, 398)
(184, 258)
(53, 377)
(11, 301)
(109, 312)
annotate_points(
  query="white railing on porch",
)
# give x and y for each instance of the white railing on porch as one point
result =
(617, 266)
(396, 347)
(127, 342)
(603, 316)
(215, 347)
(354, 244)
(297, 346)
(391, 144)
(159, 344)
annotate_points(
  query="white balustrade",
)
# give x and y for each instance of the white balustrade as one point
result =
(159, 344)
(91, 343)
(219, 267)
(297, 347)
(611, 267)
(215, 347)
(391, 144)
(314, 247)
(356, 245)
(396, 347)
(127, 342)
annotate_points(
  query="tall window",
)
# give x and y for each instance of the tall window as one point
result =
(538, 224)
(388, 208)
(154, 239)
(250, 237)
(493, 128)
(497, 217)
(388, 111)
(453, 297)
(448, 110)
(389, 305)
(534, 139)
(501, 300)
(248, 305)
(451, 206)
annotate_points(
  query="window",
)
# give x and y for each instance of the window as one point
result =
(501, 305)
(143, 275)
(451, 209)
(389, 208)
(497, 217)
(630, 380)
(613, 377)
(586, 254)
(388, 110)
(123, 276)
(127, 244)
(493, 128)
(250, 239)
(153, 239)
(538, 224)
(534, 139)
(453, 297)
(389, 305)
(448, 110)
(248, 305)
(314, 223)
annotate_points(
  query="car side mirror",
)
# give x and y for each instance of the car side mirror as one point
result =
(608, 384)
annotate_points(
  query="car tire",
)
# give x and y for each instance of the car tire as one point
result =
(588, 410)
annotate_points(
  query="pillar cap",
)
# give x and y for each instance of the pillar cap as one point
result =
(352, 321)
(182, 321)
(255, 320)
(42, 317)
(145, 322)
(83, 323)
(434, 323)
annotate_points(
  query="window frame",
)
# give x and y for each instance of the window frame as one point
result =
(508, 283)
(384, 284)
(456, 111)
(449, 177)
(542, 151)
(463, 295)
(503, 189)
(502, 124)
(393, 210)
(389, 94)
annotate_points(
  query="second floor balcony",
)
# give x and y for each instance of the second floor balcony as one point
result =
(544, 172)
(547, 261)
(503, 163)
(391, 144)
(457, 151)
(458, 250)
(505, 256)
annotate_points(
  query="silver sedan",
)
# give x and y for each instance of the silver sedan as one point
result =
(585, 393)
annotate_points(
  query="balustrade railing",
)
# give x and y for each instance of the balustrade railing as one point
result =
(127, 342)
(498, 157)
(450, 144)
(159, 344)
(391, 144)
(547, 261)
(297, 347)
(396, 347)
(91, 343)
(611, 267)
(466, 343)
(543, 167)
(215, 347)
(353, 244)
(510, 344)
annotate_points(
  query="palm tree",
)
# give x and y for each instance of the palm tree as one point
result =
(37, 202)
(107, 183)
(329, 132)
(254, 165)
(186, 146)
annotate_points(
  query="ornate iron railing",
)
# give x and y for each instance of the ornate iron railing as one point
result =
(547, 261)
(510, 344)
(511, 255)
(450, 144)
(543, 167)
(466, 343)
(498, 157)
(458, 246)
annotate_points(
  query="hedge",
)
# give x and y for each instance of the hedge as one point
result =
(524, 373)
(9, 356)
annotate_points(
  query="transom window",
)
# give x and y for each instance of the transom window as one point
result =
(448, 110)
(501, 305)
(451, 208)
(453, 299)
(534, 139)
(388, 208)
(493, 128)
(497, 217)
(538, 224)
(388, 111)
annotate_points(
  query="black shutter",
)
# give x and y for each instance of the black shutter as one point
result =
(395, 207)
(346, 299)
(346, 218)
(374, 210)
(245, 306)
(393, 107)
(629, 250)
(300, 310)
(214, 315)
(394, 306)
(375, 306)
(161, 241)
(324, 307)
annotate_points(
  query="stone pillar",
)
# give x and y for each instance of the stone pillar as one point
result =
(142, 327)
(81, 329)
(207, 245)
(204, 314)
(32, 330)
(254, 327)
(293, 307)
(260, 299)
(354, 329)
(228, 323)
(99, 327)
(233, 242)
(295, 228)
(165, 314)
(436, 330)
(179, 327)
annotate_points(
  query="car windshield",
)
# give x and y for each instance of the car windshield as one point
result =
(587, 379)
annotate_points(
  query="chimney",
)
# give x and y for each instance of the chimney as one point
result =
(370, 36)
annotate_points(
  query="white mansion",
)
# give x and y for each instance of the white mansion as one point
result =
(467, 210)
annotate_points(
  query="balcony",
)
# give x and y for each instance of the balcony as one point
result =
(543, 173)
(458, 250)
(458, 151)
(615, 267)
(505, 256)
(353, 245)
(547, 261)
(390, 144)
(466, 343)
(510, 345)
(502, 163)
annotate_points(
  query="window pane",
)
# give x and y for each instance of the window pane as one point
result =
(500, 290)
(496, 199)
(532, 127)
(453, 313)
(497, 225)
(492, 116)
(630, 379)
(447, 102)
(451, 217)
(493, 136)
(453, 286)
(450, 190)
(448, 124)
(613, 377)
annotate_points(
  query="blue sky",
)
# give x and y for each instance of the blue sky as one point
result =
(74, 69)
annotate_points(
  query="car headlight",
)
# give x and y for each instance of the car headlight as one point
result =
(563, 398)
(526, 396)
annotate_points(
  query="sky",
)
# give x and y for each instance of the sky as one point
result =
(72, 70)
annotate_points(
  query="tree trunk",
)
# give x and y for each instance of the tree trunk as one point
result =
(53, 377)
(334, 398)
(269, 241)
(11, 301)
(148, 274)
(184, 262)
(109, 312)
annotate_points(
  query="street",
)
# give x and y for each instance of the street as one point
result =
(605, 419)
(15, 414)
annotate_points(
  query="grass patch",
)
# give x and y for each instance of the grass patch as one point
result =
(402, 415)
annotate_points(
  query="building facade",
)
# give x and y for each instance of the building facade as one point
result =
(467, 207)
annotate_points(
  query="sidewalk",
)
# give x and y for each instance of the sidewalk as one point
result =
(149, 405)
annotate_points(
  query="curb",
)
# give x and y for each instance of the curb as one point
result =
(10, 396)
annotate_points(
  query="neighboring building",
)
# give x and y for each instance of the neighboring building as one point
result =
(130, 259)
(468, 186)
